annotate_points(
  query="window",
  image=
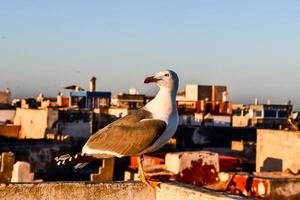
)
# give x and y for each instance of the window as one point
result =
(258, 113)
(237, 112)
(270, 113)
(282, 114)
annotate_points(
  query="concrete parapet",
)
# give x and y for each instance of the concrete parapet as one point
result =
(21, 172)
(178, 191)
(262, 185)
(198, 167)
(76, 190)
(111, 191)
(176, 162)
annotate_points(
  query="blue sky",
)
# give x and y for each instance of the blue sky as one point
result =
(250, 46)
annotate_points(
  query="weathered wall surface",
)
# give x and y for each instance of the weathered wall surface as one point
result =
(79, 190)
(285, 189)
(277, 150)
(177, 191)
(198, 167)
(34, 122)
(9, 131)
(240, 121)
(7, 115)
(108, 191)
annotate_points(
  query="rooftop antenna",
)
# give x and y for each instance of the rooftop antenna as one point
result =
(256, 101)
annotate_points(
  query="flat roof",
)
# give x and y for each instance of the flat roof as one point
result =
(91, 94)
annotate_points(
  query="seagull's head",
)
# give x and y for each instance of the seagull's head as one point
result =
(164, 79)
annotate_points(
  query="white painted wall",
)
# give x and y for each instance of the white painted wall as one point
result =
(7, 115)
(34, 122)
(191, 92)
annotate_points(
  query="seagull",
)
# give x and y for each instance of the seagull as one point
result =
(143, 131)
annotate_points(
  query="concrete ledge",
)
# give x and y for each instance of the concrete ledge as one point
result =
(111, 191)
(76, 190)
(179, 191)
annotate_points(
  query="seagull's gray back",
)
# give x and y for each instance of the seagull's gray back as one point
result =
(127, 136)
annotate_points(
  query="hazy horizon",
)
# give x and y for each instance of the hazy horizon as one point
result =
(251, 47)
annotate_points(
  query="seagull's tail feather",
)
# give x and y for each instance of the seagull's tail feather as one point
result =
(79, 160)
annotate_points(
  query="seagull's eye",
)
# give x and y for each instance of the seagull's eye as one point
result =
(167, 75)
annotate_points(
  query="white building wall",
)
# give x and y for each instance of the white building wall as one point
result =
(7, 115)
(34, 122)
(191, 92)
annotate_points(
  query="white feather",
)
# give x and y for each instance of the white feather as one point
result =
(90, 151)
(163, 107)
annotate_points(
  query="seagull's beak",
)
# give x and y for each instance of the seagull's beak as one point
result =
(151, 79)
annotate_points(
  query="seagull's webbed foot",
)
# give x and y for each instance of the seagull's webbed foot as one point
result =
(142, 175)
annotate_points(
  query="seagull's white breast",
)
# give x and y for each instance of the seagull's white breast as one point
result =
(163, 107)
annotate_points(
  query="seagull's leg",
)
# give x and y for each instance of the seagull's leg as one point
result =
(142, 175)
(141, 170)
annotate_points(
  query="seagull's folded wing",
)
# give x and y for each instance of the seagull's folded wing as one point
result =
(127, 136)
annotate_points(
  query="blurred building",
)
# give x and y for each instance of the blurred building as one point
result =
(262, 115)
(131, 101)
(7, 116)
(91, 99)
(204, 105)
(124, 103)
(5, 98)
(51, 123)
(35, 122)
